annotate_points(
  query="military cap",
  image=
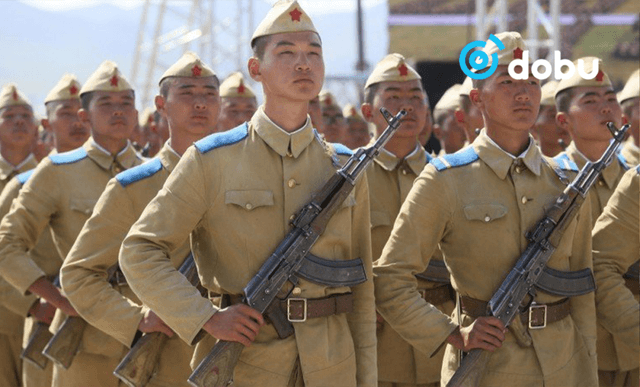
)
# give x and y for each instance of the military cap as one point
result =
(350, 112)
(548, 91)
(189, 66)
(465, 88)
(601, 78)
(631, 88)
(146, 117)
(67, 88)
(285, 16)
(234, 86)
(328, 100)
(392, 68)
(514, 48)
(10, 96)
(106, 78)
(450, 100)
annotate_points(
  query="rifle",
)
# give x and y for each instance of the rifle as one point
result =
(38, 340)
(291, 260)
(544, 238)
(139, 364)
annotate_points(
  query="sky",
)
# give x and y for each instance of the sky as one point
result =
(43, 39)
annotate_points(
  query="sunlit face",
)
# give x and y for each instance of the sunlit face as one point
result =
(235, 111)
(17, 126)
(589, 111)
(334, 126)
(63, 121)
(112, 114)
(395, 96)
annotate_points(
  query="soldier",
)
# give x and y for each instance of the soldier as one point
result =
(315, 113)
(17, 129)
(84, 276)
(237, 102)
(61, 193)
(477, 206)
(584, 107)
(447, 130)
(333, 122)
(426, 132)
(551, 138)
(396, 86)
(467, 114)
(235, 194)
(629, 99)
(616, 246)
(357, 132)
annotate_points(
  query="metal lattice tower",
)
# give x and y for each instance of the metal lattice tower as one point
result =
(217, 30)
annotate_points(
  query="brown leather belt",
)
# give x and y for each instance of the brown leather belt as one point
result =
(632, 284)
(437, 296)
(537, 316)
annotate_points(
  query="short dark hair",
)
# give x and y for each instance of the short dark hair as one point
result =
(85, 99)
(50, 107)
(478, 83)
(259, 46)
(465, 103)
(628, 104)
(563, 100)
(370, 93)
(440, 115)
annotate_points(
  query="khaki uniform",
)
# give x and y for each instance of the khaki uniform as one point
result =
(630, 152)
(235, 193)
(116, 310)
(46, 257)
(11, 323)
(61, 194)
(616, 242)
(477, 206)
(390, 180)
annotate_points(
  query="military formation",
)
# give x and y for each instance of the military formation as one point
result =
(128, 241)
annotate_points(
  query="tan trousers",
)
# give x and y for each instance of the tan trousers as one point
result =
(10, 364)
(87, 370)
(33, 376)
(619, 378)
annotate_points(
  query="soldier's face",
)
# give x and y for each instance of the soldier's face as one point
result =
(234, 111)
(315, 112)
(112, 114)
(357, 134)
(548, 133)
(17, 126)
(65, 124)
(508, 103)
(292, 68)
(590, 110)
(395, 96)
(333, 124)
(192, 105)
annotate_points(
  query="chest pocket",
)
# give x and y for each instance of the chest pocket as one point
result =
(249, 199)
(380, 218)
(484, 212)
(84, 206)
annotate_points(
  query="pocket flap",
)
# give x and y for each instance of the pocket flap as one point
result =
(83, 205)
(380, 218)
(249, 199)
(484, 212)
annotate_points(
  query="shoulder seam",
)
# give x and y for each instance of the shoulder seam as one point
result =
(68, 157)
(139, 172)
(460, 158)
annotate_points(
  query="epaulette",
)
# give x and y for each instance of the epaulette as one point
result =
(139, 172)
(565, 163)
(69, 157)
(217, 140)
(623, 162)
(23, 177)
(458, 159)
(342, 150)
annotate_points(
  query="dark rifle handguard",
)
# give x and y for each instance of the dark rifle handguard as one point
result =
(32, 352)
(64, 344)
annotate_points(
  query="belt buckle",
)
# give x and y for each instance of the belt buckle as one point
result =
(304, 309)
(533, 309)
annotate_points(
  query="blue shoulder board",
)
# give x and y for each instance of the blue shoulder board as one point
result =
(638, 169)
(23, 177)
(69, 157)
(462, 157)
(140, 172)
(565, 163)
(623, 162)
(217, 140)
(342, 150)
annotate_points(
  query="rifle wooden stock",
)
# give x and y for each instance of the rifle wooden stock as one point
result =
(216, 369)
(38, 340)
(140, 363)
(64, 345)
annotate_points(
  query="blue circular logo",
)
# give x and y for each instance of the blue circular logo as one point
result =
(479, 59)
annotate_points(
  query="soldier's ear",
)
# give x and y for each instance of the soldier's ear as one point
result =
(160, 104)
(459, 114)
(625, 119)
(83, 115)
(367, 111)
(562, 119)
(45, 124)
(254, 69)
(475, 97)
(437, 131)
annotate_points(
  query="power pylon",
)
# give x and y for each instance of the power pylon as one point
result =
(217, 30)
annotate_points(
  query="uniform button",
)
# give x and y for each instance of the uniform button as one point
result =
(600, 183)
(248, 206)
(296, 291)
(518, 169)
(291, 183)
(524, 200)
(289, 154)
(292, 217)
(487, 218)
(404, 171)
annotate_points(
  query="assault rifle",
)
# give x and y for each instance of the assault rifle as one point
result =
(291, 260)
(38, 340)
(544, 238)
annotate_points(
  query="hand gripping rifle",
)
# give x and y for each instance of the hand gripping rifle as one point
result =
(544, 238)
(139, 364)
(291, 260)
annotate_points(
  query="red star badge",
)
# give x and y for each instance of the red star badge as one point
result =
(517, 53)
(73, 90)
(241, 88)
(295, 15)
(403, 70)
(15, 95)
(600, 76)
(114, 81)
(196, 71)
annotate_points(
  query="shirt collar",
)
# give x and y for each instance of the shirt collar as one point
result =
(126, 157)
(500, 161)
(7, 169)
(609, 174)
(416, 160)
(280, 140)
(168, 157)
